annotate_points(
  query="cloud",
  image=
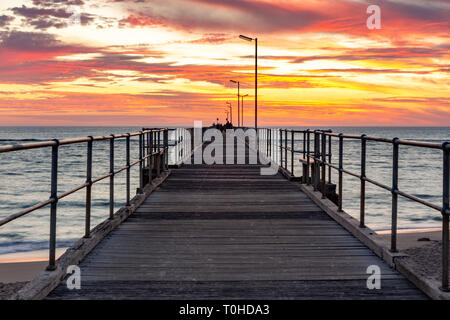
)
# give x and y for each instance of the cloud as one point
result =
(426, 11)
(5, 20)
(221, 15)
(53, 2)
(30, 41)
(44, 16)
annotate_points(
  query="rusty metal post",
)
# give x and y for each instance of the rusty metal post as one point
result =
(341, 168)
(281, 148)
(292, 152)
(128, 169)
(324, 167)
(316, 157)
(141, 174)
(285, 149)
(165, 140)
(329, 159)
(148, 149)
(308, 151)
(87, 227)
(151, 158)
(53, 207)
(362, 205)
(111, 177)
(394, 192)
(445, 216)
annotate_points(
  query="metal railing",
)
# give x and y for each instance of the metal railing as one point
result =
(153, 156)
(317, 158)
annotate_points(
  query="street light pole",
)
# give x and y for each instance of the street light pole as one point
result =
(256, 76)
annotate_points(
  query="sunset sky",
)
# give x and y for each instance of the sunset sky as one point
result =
(169, 62)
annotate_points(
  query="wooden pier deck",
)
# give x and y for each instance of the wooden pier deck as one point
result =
(226, 232)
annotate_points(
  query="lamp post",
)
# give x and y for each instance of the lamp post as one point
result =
(256, 76)
(242, 108)
(239, 112)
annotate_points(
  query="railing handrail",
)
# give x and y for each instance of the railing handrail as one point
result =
(51, 143)
(414, 143)
(321, 150)
(153, 150)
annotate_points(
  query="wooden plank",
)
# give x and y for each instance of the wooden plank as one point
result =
(226, 232)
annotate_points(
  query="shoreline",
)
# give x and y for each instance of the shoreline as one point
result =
(24, 266)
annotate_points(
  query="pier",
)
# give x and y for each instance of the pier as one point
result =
(224, 231)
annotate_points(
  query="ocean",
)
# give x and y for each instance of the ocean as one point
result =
(25, 180)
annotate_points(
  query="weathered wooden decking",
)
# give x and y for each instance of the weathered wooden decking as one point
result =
(226, 232)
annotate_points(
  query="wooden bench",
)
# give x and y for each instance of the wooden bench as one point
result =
(306, 163)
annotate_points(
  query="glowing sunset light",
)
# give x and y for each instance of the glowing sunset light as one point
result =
(168, 62)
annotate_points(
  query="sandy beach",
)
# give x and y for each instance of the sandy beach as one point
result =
(16, 269)
(424, 248)
(412, 238)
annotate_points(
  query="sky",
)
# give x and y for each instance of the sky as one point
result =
(169, 62)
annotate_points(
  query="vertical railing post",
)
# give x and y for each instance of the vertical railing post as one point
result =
(281, 148)
(362, 205)
(324, 167)
(53, 206)
(445, 215)
(308, 151)
(316, 159)
(304, 145)
(128, 169)
(285, 149)
(394, 195)
(159, 152)
(87, 226)
(148, 150)
(177, 146)
(166, 152)
(341, 168)
(292, 152)
(270, 141)
(159, 140)
(329, 159)
(151, 160)
(111, 177)
(141, 173)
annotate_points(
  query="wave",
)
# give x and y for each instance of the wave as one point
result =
(26, 246)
